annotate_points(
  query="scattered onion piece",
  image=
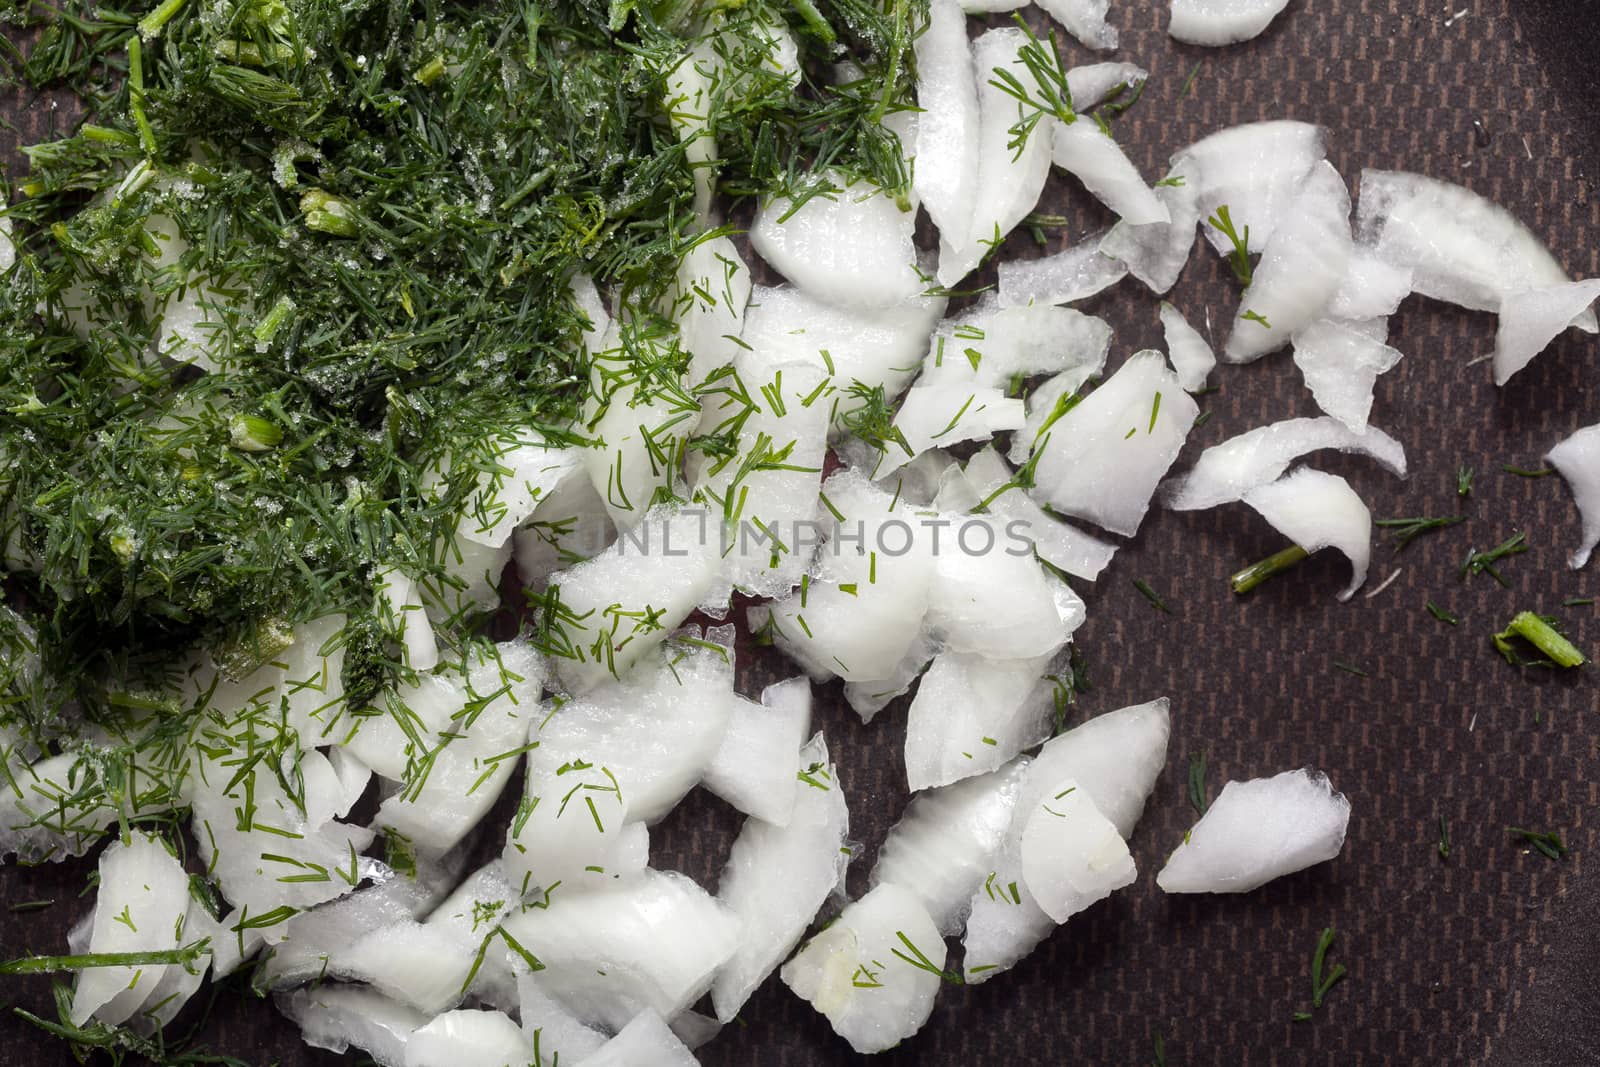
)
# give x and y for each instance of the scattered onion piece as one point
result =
(1189, 353)
(1222, 22)
(1340, 363)
(1316, 511)
(1578, 460)
(1075, 274)
(1530, 319)
(1225, 472)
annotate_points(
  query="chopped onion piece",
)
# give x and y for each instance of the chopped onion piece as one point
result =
(418, 964)
(1226, 472)
(1075, 274)
(557, 1034)
(875, 348)
(1103, 458)
(1462, 248)
(1302, 268)
(944, 845)
(690, 87)
(1072, 856)
(1191, 356)
(653, 941)
(636, 423)
(141, 905)
(1009, 181)
(990, 345)
(991, 598)
(851, 246)
(946, 173)
(871, 696)
(982, 7)
(1254, 171)
(1095, 83)
(1372, 288)
(942, 415)
(469, 915)
(646, 1041)
(571, 523)
(8, 247)
(1085, 20)
(1317, 510)
(708, 302)
(1530, 319)
(972, 713)
(403, 619)
(336, 1018)
(1156, 254)
(468, 1038)
(874, 971)
(615, 608)
(777, 878)
(1578, 460)
(1256, 831)
(44, 815)
(1340, 363)
(1089, 153)
(1221, 22)
(753, 768)
(517, 471)
(1058, 543)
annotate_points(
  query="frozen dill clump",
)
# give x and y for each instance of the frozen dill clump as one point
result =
(304, 252)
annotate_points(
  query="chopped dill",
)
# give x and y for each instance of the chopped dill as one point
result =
(1151, 595)
(1407, 530)
(1547, 844)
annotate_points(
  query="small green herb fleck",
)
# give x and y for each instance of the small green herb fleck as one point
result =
(1464, 476)
(1408, 530)
(1239, 258)
(1547, 844)
(1444, 839)
(1151, 595)
(1528, 472)
(1243, 581)
(1484, 562)
(1197, 783)
(1540, 632)
(1443, 615)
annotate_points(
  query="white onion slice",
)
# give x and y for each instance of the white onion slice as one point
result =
(945, 842)
(1103, 459)
(339, 1017)
(652, 941)
(517, 470)
(868, 971)
(1316, 510)
(8, 247)
(946, 173)
(1372, 288)
(1095, 83)
(401, 614)
(555, 1033)
(1221, 22)
(418, 964)
(1225, 472)
(646, 1041)
(972, 714)
(690, 87)
(1578, 459)
(1075, 274)
(1253, 170)
(1089, 153)
(1340, 364)
(1462, 248)
(870, 696)
(1080, 554)
(1085, 20)
(1532, 318)
(990, 345)
(571, 524)
(1191, 356)
(141, 906)
(874, 347)
(1009, 182)
(991, 598)
(708, 303)
(1156, 254)
(942, 415)
(1302, 268)
(468, 1038)
(777, 878)
(983, 7)
(851, 247)
(1256, 831)
(753, 768)
(1072, 856)
(618, 606)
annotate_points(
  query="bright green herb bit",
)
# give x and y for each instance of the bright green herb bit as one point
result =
(1408, 530)
(1151, 595)
(1540, 632)
(1547, 844)
(1484, 562)
(1246, 579)
(1239, 258)
(1198, 798)
(1443, 615)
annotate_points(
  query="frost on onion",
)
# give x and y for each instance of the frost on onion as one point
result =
(1009, 181)
(1089, 153)
(1316, 511)
(873, 972)
(45, 814)
(1530, 319)
(1256, 831)
(1222, 22)
(143, 905)
(849, 246)
(972, 713)
(1303, 266)
(1103, 458)
(1254, 170)
(946, 173)
(945, 842)
(753, 768)
(1226, 472)
(1460, 247)
(1072, 856)
(777, 878)
(1189, 353)
(1340, 363)
(1578, 460)
(653, 941)
(1075, 274)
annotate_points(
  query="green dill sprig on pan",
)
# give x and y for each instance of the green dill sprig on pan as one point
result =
(1544, 634)
(1050, 96)
(1546, 843)
(1239, 258)
(1198, 794)
(1323, 977)
(1408, 530)
(1248, 578)
(1484, 562)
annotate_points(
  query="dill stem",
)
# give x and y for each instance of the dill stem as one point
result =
(1243, 581)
